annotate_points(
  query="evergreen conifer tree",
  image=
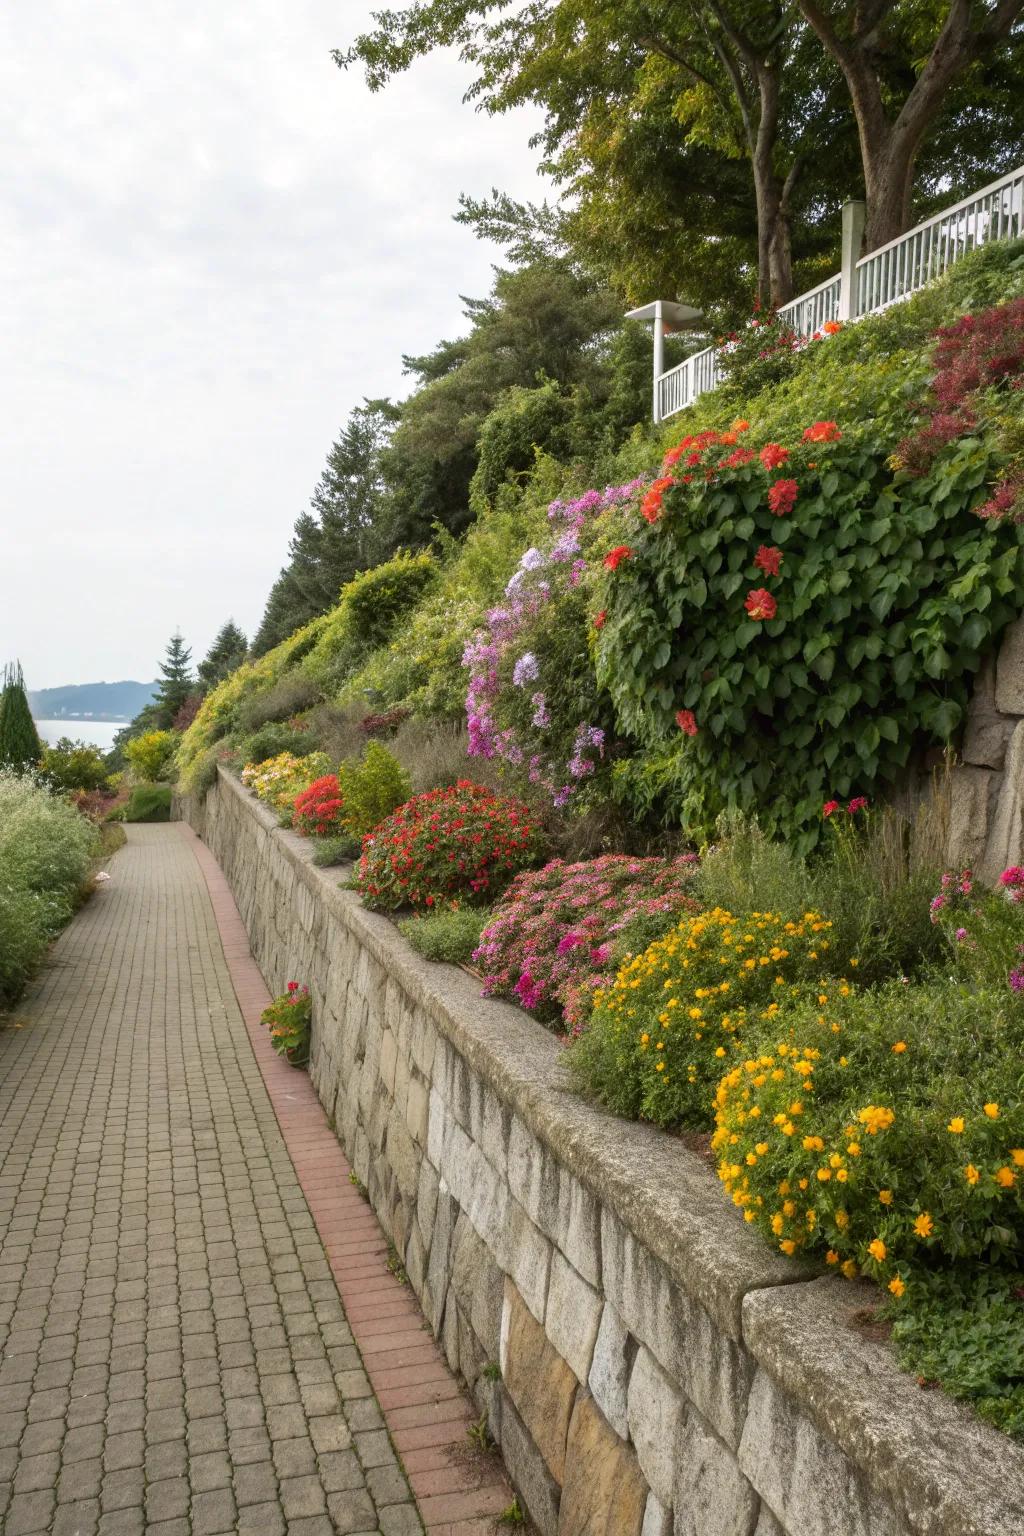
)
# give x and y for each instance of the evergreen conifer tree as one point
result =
(20, 746)
(176, 681)
(227, 652)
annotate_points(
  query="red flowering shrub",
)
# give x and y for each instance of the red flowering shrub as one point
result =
(385, 724)
(552, 939)
(651, 504)
(881, 594)
(980, 352)
(319, 810)
(614, 558)
(462, 843)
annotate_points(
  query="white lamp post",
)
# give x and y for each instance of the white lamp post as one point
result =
(666, 315)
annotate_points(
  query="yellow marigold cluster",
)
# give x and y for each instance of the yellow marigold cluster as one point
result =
(677, 1011)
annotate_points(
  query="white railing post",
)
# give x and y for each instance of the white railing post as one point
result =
(659, 357)
(853, 236)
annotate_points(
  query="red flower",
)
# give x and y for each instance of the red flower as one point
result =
(293, 986)
(615, 557)
(858, 803)
(737, 457)
(768, 559)
(651, 504)
(686, 721)
(599, 618)
(829, 808)
(782, 497)
(760, 604)
(773, 455)
(822, 432)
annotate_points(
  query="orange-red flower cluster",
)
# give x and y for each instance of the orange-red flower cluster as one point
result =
(782, 497)
(686, 721)
(599, 618)
(822, 432)
(738, 456)
(768, 559)
(760, 604)
(614, 558)
(651, 504)
(773, 455)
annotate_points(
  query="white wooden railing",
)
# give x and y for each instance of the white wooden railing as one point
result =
(867, 285)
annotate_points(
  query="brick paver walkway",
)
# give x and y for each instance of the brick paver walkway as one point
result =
(175, 1355)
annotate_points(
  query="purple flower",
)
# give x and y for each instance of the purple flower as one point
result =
(960, 935)
(570, 942)
(1016, 979)
(526, 670)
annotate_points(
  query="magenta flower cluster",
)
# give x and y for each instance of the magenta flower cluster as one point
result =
(550, 941)
(541, 578)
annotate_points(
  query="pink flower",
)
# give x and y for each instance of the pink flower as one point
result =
(829, 808)
(858, 803)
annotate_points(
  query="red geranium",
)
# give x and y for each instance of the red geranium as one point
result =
(782, 497)
(686, 721)
(614, 558)
(829, 808)
(768, 559)
(773, 455)
(760, 604)
(651, 504)
(737, 457)
(822, 432)
(599, 618)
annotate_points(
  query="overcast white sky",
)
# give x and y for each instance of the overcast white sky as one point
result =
(213, 244)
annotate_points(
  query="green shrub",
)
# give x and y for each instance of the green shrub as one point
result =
(882, 1129)
(662, 1034)
(343, 849)
(962, 1330)
(371, 788)
(45, 848)
(288, 696)
(74, 765)
(149, 756)
(817, 676)
(372, 604)
(272, 739)
(149, 802)
(449, 936)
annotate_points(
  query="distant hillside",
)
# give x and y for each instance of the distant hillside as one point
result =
(94, 701)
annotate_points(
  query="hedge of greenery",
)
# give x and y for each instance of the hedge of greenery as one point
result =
(45, 848)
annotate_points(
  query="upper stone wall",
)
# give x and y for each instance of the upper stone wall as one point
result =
(647, 1365)
(986, 831)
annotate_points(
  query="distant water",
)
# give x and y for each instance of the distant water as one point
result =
(98, 733)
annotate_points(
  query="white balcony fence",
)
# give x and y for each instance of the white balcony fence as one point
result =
(872, 283)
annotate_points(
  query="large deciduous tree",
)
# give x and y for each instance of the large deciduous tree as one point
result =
(905, 65)
(725, 81)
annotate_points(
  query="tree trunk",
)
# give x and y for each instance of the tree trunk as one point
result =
(774, 243)
(889, 182)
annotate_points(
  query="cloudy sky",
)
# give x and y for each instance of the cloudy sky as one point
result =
(213, 244)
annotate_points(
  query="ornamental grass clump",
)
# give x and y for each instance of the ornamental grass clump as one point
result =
(661, 1035)
(881, 1130)
(461, 843)
(559, 931)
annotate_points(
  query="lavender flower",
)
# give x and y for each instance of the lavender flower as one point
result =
(526, 670)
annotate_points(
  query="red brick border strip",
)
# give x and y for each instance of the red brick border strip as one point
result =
(426, 1410)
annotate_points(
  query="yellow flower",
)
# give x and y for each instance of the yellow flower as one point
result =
(875, 1118)
(842, 1220)
(971, 1174)
(854, 1149)
(885, 1195)
(788, 1246)
(813, 1144)
(842, 1174)
(1017, 1154)
(777, 1223)
(761, 1148)
(660, 1067)
(899, 1047)
(831, 1257)
(789, 1209)
(877, 1249)
(956, 1125)
(923, 1225)
(1005, 1177)
(850, 1270)
(992, 1110)
(645, 1039)
(896, 1286)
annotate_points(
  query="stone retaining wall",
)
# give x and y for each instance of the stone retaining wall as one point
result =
(646, 1364)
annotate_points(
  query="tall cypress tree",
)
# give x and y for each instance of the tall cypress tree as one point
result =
(176, 680)
(20, 746)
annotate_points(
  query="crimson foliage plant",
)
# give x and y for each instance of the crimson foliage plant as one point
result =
(461, 843)
(793, 621)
